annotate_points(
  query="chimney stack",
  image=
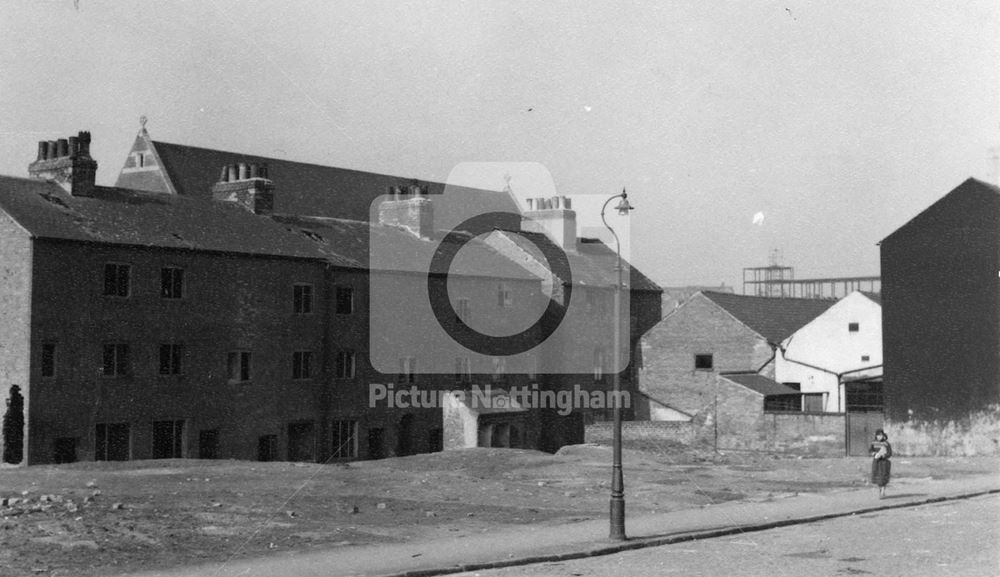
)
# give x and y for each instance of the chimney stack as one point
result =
(553, 217)
(66, 162)
(410, 208)
(247, 185)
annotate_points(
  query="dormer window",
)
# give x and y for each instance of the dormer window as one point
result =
(853, 327)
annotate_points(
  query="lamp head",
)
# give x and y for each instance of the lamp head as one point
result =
(623, 205)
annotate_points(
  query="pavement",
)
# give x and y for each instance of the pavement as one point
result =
(559, 542)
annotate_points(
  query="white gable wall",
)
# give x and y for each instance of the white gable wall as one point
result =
(832, 349)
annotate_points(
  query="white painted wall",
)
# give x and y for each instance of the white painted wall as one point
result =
(827, 343)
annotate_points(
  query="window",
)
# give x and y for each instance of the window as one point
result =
(302, 299)
(463, 310)
(302, 364)
(345, 364)
(463, 370)
(208, 444)
(865, 358)
(704, 362)
(140, 159)
(795, 386)
(267, 448)
(171, 282)
(812, 402)
(116, 360)
(598, 364)
(407, 370)
(170, 359)
(504, 298)
(344, 439)
(168, 439)
(238, 366)
(64, 449)
(853, 327)
(116, 279)
(499, 369)
(783, 403)
(345, 300)
(48, 359)
(112, 442)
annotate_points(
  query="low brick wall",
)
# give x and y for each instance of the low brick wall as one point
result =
(813, 434)
(680, 432)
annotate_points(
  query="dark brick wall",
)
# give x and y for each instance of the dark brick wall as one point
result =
(940, 310)
(15, 311)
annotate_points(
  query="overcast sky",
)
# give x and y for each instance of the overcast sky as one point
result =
(839, 121)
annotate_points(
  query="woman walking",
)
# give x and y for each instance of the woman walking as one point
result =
(881, 452)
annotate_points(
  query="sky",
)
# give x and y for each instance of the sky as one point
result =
(814, 128)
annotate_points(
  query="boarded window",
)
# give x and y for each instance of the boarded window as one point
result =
(208, 444)
(112, 442)
(168, 439)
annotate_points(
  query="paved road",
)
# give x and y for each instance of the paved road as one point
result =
(954, 538)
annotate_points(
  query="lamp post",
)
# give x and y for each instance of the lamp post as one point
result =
(617, 480)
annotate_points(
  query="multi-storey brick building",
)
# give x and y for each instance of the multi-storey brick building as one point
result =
(177, 322)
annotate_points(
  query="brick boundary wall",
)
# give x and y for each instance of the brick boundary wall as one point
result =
(807, 434)
(681, 432)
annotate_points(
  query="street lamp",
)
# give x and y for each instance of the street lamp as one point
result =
(617, 481)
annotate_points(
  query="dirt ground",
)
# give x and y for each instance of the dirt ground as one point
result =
(107, 518)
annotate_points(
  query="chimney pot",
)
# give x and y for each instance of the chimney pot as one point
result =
(224, 177)
(254, 170)
(62, 148)
(74, 145)
(84, 137)
(263, 170)
(43, 147)
(233, 173)
(244, 172)
(50, 150)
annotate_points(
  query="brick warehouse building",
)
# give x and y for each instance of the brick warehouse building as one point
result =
(158, 324)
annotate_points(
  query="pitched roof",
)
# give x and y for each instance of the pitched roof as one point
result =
(593, 263)
(774, 318)
(761, 384)
(133, 218)
(313, 189)
(874, 297)
(971, 186)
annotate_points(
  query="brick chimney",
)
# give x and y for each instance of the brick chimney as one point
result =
(66, 162)
(246, 184)
(552, 217)
(410, 208)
